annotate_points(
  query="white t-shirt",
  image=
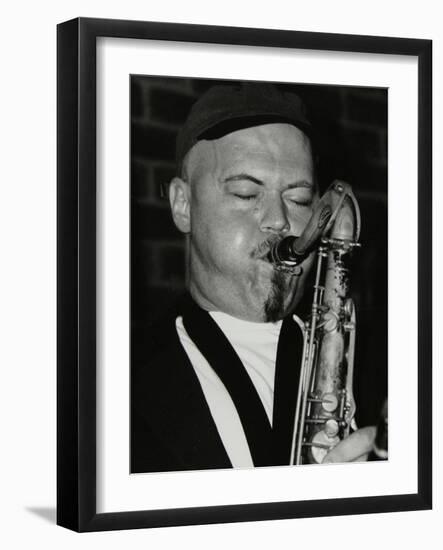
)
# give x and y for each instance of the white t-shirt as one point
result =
(256, 345)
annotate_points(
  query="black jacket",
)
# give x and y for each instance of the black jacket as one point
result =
(171, 425)
(172, 428)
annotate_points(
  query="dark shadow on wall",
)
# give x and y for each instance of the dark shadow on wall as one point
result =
(46, 513)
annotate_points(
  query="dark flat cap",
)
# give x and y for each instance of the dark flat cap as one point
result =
(225, 109)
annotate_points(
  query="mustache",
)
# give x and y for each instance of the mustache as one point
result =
(263, 249)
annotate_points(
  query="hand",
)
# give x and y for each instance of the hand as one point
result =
(354, 448)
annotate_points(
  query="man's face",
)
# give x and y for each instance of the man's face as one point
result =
(243, 192)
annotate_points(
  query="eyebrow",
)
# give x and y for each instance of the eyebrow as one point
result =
(241, 177)
(249, 177)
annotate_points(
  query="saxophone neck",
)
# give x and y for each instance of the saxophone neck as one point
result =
(336, 216)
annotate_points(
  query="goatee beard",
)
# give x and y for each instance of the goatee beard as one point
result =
(274, 307)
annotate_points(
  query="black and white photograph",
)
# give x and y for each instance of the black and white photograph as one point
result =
(243, 274)
(221, 308)
(259, 271)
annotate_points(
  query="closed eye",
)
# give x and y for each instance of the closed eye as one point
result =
(302, 197)
(245, 197)
(307, 202)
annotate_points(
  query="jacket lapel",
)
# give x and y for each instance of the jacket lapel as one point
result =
(169, 397)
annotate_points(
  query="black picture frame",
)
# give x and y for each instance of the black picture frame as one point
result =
(76, 280)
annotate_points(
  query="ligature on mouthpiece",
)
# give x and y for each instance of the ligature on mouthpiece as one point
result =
(285, 252)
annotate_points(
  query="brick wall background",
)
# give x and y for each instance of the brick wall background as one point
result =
(352, 140)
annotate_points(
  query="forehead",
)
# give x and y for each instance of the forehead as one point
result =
(270, 146)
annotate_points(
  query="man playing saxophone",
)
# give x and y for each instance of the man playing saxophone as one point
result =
(219, 385)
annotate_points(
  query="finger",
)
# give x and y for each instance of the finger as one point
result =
(353, 447)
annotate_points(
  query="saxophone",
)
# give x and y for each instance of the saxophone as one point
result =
(325, 406)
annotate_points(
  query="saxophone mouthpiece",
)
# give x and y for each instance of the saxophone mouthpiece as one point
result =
(285, 252)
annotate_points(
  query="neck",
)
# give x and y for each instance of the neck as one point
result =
(226, 307)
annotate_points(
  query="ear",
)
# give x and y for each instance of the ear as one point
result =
(180, 202)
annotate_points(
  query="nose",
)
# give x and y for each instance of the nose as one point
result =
(274, 217)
